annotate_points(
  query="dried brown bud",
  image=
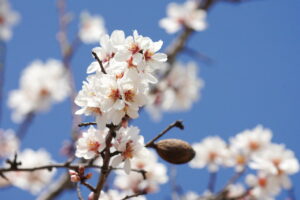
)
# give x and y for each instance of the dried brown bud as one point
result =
(175, 151)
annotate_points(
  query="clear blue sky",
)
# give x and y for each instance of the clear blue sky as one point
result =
(254, 78)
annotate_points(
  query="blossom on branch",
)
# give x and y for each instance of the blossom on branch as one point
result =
(278, 161)
(119, 85)
(211, 152)
(41, 84)
(185, 15)
(91, 28)
(91, 143)
(8, 19)
(177, 92)
(130, 145)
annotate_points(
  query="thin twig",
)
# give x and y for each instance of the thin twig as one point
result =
(134, 195)
(177, 124)
(100, 62)
(87, 124)
(89, 186)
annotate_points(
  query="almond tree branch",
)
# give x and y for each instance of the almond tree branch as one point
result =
(105, 168)
(134, 195)
(100, 62)
(177, 124)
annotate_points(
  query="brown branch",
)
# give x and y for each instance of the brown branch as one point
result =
(87, 124)
(134, 195)
(100, 62)
(90, 187)
(105, 168)
(177, 124)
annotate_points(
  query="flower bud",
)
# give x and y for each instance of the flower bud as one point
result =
(175, 151)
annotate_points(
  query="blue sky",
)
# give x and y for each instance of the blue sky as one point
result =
(254, 77)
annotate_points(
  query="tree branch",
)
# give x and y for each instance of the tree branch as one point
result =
(177, 124)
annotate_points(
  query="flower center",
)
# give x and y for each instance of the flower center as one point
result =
(114, 94)
(128, 153)
(93, 145)
(129, 95)
(254, 145)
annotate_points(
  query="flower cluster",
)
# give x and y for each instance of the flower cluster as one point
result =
(8, 18)
(119, 84)
(250, 149)
(91, 28)
(185, 15)
(41, 85)
(176, 92)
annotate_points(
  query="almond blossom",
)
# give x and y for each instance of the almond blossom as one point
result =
(278, 161)
(41, 84)
(9, 143)
(156, 174)
(130, 145)
(8, 19)
(211, 152)
(32, 181)
(184, 15)
(120, 91)
(264, 187)
(178, 91)
(247, 144)
(91, 143)
(91, 27)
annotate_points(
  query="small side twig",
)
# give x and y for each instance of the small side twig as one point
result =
(134, 195)
(87, 124)
(100, 62)
(177, 124)
(89, 186)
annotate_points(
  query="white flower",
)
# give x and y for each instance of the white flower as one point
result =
(156, 174)
(8, 18)
(210, 152)
(91, 143)
(9, 143)
(191, 196)
(264, 187)
(129, 143)
(187, 14)
(41, 84)
(109, 46)
(278, 161)
(91, 27)
(252, 141)
(178, 91)
(32, 181)
(235, 190)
